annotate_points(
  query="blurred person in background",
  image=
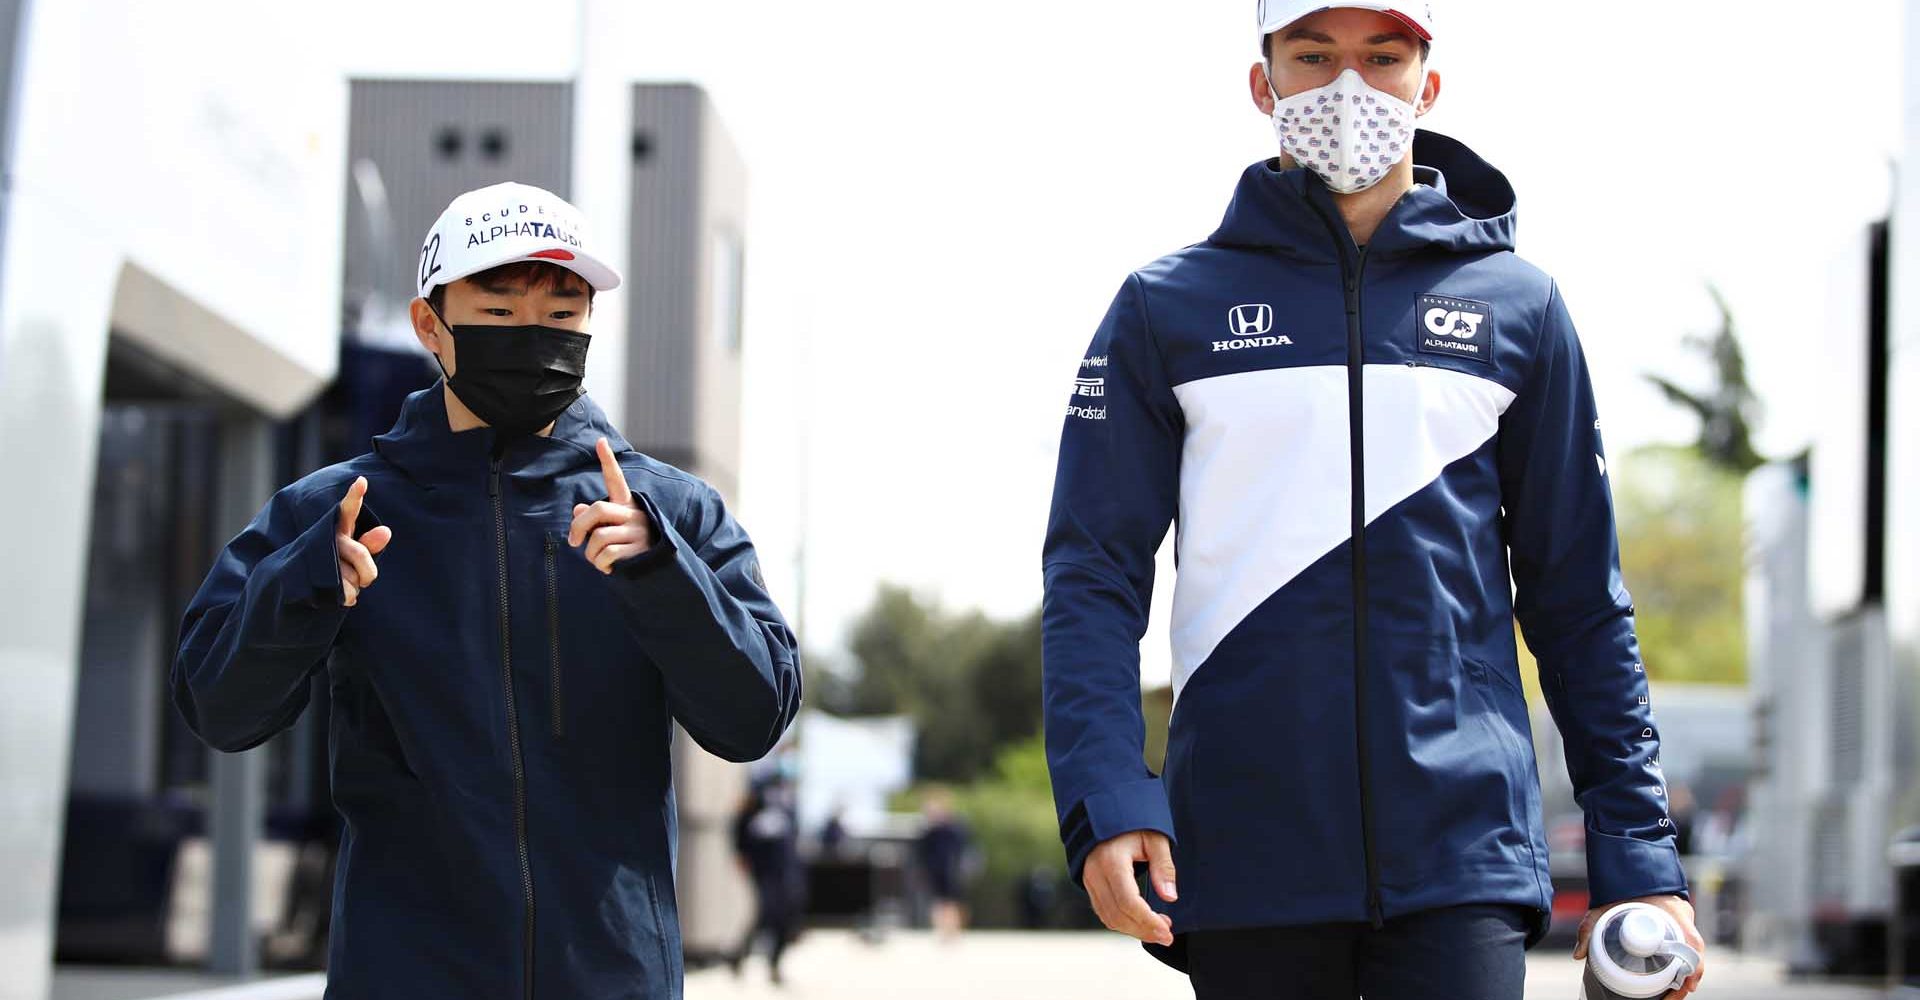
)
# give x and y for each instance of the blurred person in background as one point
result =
(945, 856)
(1373, 422)
(833, 833)
(1039, 892)
(1683, 809)
(766, 843)
(512, 606)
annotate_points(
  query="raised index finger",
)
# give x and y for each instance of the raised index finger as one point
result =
(616, 480)
(350, 505)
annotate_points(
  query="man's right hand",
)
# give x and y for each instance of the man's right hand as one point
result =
(1115, 892)
(357, 571)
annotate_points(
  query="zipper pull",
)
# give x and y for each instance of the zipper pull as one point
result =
(493, 478)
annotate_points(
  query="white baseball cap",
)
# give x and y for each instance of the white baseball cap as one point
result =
(1277, 14)
(505, 223)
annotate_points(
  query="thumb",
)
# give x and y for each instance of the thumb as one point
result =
(350, 505)
(1160, 865)
(1580, 945)
(376, 539)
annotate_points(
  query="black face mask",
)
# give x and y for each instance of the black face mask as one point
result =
(517, 378)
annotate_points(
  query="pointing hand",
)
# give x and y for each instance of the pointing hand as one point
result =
(357, 571)
(614, 528)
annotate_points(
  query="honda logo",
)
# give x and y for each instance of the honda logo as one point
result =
(1250, 320)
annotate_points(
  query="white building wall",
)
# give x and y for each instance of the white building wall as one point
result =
(1903, 449)
(187, 192)
(1786, 670)
(1903, 446)
(602, 181)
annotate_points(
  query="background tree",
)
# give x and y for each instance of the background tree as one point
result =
(971, 684)
(972, 687)
(1680, 521)
(1729, 410)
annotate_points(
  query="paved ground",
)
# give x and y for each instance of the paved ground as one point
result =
(832, 965)
(835, 965)
(72, 982)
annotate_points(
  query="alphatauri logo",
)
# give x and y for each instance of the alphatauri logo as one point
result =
(1251, 326)
(1443, 322)
(1461, 328)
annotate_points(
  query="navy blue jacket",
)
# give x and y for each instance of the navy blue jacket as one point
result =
(1377, 458)
(501, 710)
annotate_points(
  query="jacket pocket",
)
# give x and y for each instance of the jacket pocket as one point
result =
(1502, 700)
(1504, 705)
(556, 691)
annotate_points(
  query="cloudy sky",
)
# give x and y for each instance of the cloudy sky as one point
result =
(944, 198)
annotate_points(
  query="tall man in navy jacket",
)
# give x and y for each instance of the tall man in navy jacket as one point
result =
(1374, 428)
(510, 606)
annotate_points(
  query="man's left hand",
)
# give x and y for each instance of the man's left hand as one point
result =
(612, 529)
(1682, 913)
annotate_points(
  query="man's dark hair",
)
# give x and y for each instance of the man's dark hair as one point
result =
(531, 273)
(1266, 48)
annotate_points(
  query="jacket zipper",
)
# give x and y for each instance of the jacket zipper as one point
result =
(1351, 278)
(553, 643)
(1356, 420)
(513, 719)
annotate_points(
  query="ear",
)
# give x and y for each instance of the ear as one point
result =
(1257, 85)
(1429, 93)
(425, 325)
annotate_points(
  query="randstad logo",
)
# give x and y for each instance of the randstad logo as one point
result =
(1454, 323)
(1250, 326)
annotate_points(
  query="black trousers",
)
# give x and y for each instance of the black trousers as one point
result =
(778, 915)
(1455, 953)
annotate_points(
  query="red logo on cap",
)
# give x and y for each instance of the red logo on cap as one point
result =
(554, 254)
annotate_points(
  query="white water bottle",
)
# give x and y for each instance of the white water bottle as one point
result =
(1636, 951)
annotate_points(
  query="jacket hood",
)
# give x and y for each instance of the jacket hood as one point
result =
(1458, 203)
(422, 445)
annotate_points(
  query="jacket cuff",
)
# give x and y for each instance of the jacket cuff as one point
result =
(318, 559)
(1627, 868)
(319, 563)
(663, 544)
(1106, 814)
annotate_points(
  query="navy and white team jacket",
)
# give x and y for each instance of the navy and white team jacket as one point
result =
(1377, 457)
(501, 710)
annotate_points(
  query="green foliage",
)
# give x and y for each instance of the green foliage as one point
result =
(971, 684)
(1682, 554)
(1021, 769)
(1010, 812)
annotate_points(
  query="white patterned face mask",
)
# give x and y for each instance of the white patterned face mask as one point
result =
(1347, 132)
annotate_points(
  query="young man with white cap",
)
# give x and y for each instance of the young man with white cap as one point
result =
(1374, 427)
(507, 642)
